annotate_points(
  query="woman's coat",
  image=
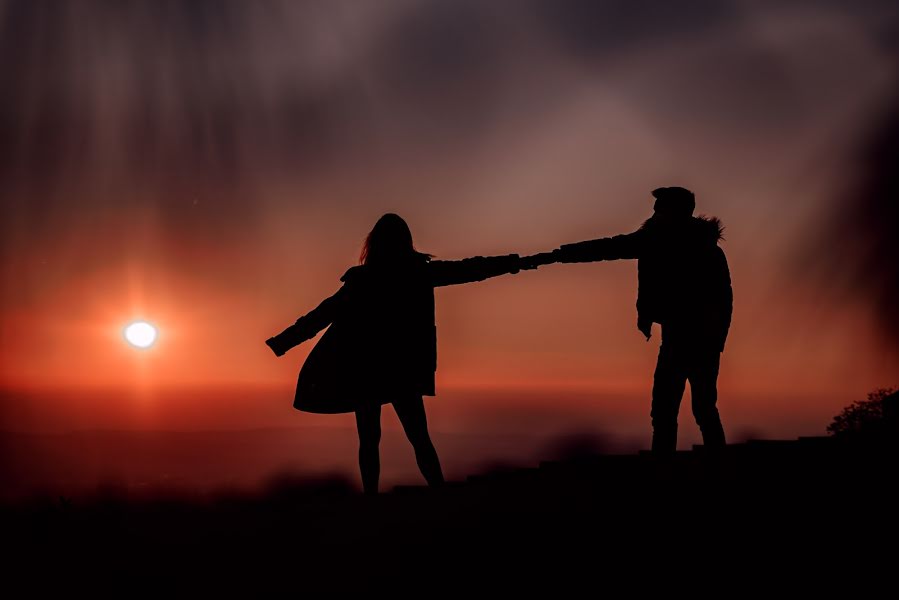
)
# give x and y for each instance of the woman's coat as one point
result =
(382, 339)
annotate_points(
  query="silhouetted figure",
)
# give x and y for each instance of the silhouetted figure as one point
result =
(684, 285)
(381, 346)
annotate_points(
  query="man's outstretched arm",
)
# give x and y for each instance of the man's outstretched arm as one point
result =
(609, 248)
(626, 246)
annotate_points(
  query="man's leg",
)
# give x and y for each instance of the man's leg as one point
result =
(667, 390)
(703, 375)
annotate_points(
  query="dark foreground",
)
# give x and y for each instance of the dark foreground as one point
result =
(766, 517)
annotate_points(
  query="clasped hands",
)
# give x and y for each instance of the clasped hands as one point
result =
(529, 263)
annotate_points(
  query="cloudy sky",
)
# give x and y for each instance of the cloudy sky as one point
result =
(213, 167)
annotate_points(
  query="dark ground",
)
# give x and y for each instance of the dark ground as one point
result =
(767, 517)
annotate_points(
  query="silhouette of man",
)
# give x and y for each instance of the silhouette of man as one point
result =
(684, 285)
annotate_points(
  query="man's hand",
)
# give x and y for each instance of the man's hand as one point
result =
(533, 261)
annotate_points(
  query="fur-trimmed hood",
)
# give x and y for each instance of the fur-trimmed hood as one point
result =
(714, 226)
(704, 228)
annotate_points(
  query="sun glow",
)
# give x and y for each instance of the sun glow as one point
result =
(140, 334)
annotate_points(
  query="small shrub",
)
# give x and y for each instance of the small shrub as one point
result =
(862, 416)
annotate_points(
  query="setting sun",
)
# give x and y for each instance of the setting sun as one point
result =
(140, 334)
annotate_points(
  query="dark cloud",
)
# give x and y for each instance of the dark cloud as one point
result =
(178, 81)
(158, 109)
(171, 92)
(855, 252)
(862, 245)
(178, 109)
(596, 30)
(36, 75)
(185, 90)
(441, 65)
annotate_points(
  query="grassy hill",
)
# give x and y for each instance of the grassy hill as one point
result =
(802, 512)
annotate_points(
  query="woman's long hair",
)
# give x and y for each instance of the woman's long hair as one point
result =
(389, 242)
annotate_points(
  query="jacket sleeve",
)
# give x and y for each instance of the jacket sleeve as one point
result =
(308, 326)
(725, 296)
(468, 270)
(609, 248)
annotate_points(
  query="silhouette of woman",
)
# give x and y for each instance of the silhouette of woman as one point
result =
(381, 346)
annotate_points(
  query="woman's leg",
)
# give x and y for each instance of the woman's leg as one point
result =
(368, 424)
(411, 412)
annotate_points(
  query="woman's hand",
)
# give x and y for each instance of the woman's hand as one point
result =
(277, 348)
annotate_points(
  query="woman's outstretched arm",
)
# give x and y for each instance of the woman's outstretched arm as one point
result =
(307, 326)
(468, 270)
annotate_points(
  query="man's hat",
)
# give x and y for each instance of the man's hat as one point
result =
(674, 201)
